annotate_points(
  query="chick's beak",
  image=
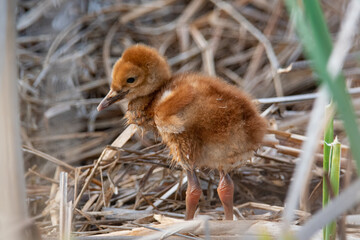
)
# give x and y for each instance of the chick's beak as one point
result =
(110, 98)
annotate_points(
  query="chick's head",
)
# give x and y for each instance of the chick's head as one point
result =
(139, 72)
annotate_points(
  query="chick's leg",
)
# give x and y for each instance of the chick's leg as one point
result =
(193, 194)
(226, 194)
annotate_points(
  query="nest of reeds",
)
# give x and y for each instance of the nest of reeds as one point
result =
(120, 180)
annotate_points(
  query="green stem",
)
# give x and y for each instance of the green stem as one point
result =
(328, 139)
(335, 183)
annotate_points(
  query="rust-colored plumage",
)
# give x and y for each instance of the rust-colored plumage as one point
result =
(203, 120)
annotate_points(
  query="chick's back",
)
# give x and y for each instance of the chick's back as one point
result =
(208, 123)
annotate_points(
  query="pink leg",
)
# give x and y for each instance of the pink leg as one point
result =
(226, 194)
(193, 194)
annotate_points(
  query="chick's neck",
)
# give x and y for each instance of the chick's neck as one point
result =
(141, 111)
(141, 103)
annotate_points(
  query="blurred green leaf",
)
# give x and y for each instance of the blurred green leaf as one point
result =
(314, 35)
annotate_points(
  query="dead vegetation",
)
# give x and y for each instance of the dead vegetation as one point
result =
(119, 179)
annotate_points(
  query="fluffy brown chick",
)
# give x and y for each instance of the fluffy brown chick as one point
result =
(205, 122)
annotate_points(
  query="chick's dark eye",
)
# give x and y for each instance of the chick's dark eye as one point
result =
(130, 80)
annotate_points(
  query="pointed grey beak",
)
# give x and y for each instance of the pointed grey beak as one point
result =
(111, 98)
